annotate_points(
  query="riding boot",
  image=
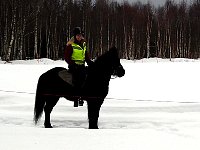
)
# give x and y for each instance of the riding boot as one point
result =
(80, 100)
(76, 91)
(77, 97)
(76, 103)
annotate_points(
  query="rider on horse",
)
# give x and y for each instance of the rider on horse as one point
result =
(76, 55)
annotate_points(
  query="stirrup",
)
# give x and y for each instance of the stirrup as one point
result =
(80, 102)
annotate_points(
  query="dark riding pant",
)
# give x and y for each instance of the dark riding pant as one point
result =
(78, 75)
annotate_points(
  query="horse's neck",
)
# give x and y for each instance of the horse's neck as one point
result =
(98, 76)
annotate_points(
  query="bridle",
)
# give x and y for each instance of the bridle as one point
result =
(115, 71)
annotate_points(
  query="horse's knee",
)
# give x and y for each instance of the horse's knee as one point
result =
(49, 106)
(48, 109)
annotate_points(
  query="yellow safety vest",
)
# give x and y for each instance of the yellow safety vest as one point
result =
(78, 54)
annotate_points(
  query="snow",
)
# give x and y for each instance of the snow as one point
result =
(155, 106)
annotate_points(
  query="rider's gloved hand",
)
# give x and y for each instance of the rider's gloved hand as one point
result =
(90, 63)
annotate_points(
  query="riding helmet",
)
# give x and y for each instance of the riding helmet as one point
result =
(77, 30)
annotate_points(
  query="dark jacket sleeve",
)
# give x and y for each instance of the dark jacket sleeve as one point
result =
(68, 53)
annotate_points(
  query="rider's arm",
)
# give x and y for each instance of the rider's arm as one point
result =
(68, 54)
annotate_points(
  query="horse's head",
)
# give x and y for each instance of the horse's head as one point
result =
(109, 63)
(114, 61)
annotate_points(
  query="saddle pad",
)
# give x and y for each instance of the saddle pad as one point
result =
(65, 76)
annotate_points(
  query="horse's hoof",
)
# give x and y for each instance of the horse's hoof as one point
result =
(93, 128)
(48, 126)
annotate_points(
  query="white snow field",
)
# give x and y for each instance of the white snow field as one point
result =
(155, 106)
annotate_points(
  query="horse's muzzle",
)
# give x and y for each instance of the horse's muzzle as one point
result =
(119, 71)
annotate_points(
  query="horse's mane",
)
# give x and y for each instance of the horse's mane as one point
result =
(107, 56)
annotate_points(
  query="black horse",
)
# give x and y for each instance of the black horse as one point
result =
(51, 87)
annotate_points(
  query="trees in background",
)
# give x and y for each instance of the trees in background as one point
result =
(41, 28)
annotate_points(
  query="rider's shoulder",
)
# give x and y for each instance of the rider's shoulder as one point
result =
(70, 42)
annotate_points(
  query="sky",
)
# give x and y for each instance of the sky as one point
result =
(155, 106)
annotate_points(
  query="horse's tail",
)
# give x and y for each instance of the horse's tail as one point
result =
(39, 102)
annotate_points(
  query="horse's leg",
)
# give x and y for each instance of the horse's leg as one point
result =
(50, 103)
(93, 112)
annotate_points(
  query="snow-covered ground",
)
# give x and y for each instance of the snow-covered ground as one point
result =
(155, 106)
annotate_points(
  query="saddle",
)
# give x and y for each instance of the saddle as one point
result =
(66, 76)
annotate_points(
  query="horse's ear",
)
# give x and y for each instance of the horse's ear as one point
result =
(113, 50)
